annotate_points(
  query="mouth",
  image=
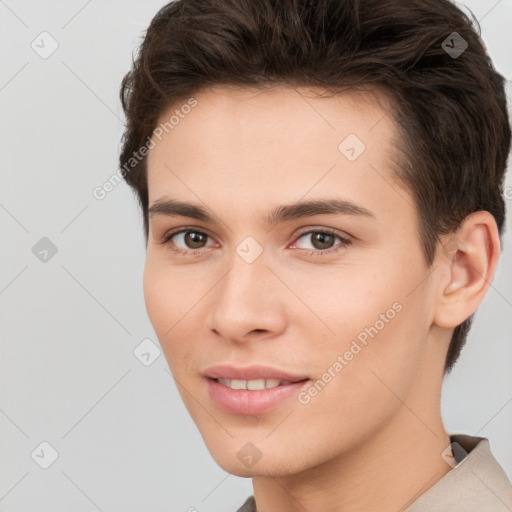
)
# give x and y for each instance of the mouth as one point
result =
(256, 384)
(254, 389)
(252, 396)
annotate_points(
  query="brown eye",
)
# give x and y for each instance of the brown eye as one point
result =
(186, 239)
(323, 242)
(194, 239)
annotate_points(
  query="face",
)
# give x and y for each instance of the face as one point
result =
(337, 301)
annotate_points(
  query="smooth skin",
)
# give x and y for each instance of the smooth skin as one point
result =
(372, 438)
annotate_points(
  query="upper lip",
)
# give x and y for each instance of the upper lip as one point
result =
(225, 371)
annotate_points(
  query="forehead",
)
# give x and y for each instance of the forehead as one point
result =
(264, 144)
(306, 108)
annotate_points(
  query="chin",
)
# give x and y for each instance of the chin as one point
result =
(230, 462)
(236, 468)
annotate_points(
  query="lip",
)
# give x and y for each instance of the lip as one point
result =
(250, 372)
(247, 402)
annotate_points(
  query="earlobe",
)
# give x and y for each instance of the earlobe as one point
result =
(470, 257)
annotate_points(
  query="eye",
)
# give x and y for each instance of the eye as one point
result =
(322, 240)
(192, 239)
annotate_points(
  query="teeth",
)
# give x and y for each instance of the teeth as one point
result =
(254, 384)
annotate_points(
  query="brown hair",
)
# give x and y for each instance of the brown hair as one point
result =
(450, 110)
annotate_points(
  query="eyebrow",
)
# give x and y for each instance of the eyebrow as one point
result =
(279, 214)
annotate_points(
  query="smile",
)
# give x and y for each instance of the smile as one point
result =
(254, 396)
(254, 384)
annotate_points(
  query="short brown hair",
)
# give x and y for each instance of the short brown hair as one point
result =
(450, 110)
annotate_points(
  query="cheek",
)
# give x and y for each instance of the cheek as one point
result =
(155, 296)
(377, 333)
(350, 399)
(346, 302)
(170, 295)
(169, 292)
(168, 299)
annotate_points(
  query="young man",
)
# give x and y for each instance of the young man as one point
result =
(321, 184)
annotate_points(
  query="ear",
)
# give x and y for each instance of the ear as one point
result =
(468, 259)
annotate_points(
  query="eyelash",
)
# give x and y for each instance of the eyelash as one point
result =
(193, 252)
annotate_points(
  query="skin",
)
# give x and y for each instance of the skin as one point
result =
(372, 438)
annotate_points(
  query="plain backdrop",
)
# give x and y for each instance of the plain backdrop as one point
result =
(121, 438)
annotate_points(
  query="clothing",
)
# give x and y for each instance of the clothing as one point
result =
(477, 483)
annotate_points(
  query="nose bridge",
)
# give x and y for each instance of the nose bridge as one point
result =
(246, 278)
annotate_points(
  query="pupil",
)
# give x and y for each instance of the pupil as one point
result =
(321, 237)
(193, 237)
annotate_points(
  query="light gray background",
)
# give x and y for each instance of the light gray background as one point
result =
(69, 326)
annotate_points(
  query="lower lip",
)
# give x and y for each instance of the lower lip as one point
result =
(244, 401)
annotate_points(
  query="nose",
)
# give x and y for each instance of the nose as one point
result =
(247, 301)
